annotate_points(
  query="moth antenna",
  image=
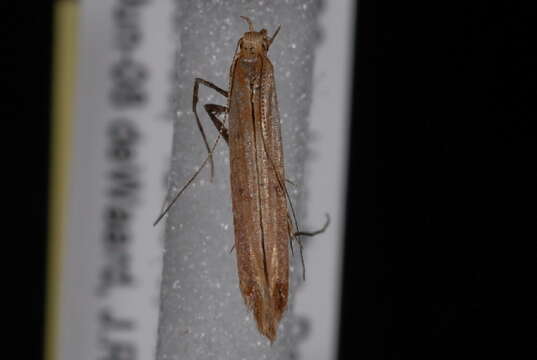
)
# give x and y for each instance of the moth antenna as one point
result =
(275, 33)
(250, 25)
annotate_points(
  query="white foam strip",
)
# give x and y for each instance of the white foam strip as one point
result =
(202, 313)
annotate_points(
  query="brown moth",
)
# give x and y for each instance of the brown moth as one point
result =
(262, 223)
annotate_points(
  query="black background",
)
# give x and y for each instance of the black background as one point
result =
(26, 82)
(439, 255)
(441, 208)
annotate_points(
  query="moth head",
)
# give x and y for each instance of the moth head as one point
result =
(254, 43)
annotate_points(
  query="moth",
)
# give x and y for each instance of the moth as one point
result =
(263, 216)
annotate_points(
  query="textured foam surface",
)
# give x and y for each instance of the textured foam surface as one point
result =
(202, 314)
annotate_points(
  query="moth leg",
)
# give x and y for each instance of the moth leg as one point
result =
(213, 111)
(195, 99)
(190, 180)
(290, 182)
(290, 231)
(293, 237)
(296, 237)
(317, 232)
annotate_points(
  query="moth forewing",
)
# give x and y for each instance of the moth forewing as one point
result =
(259, 202)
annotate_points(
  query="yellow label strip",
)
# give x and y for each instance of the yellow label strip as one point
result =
(65, 50)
